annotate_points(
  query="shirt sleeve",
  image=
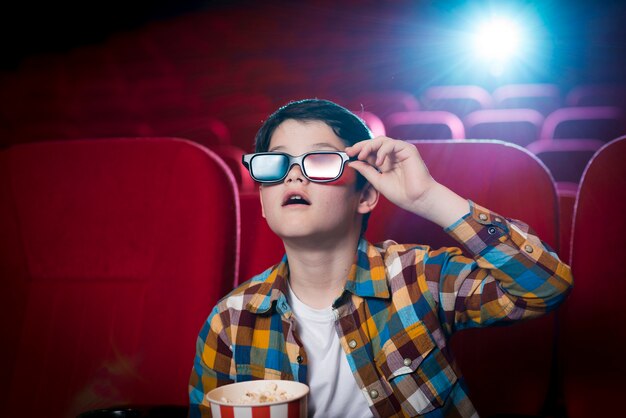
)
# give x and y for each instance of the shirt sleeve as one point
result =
(213, 363)
(512, 275)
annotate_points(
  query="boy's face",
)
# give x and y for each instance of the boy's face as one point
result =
(327, 211)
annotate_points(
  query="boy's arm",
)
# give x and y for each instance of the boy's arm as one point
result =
(213, 364)
(512, 274)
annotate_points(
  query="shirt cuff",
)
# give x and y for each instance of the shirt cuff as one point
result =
(479, 229)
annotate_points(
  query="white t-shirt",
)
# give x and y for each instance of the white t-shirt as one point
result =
(333, 390)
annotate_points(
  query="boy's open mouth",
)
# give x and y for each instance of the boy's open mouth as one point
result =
(295, 199)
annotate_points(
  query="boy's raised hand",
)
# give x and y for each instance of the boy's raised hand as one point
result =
(396, 169)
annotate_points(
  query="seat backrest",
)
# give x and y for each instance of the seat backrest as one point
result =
(597, 95)
(459, 100)
(544, 98)
(424, 124)
(113, 253)
(232, 156)
(594, 371)
(519, 126)
(602, 122)
(511, 181)
(260, 247)
(565, 158)
(372, 121)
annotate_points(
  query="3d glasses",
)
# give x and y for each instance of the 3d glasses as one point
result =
(317, 166)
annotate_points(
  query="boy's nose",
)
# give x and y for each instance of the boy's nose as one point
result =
(295, 174)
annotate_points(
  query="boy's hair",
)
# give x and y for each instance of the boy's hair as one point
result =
(346, 125)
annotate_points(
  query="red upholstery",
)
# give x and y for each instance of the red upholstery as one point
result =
(232, 157)
(112, 254)
(566, 158)
(260, 247)
(373, 122)
(459, 100)
(566, 192)
(544, 98)
(427, 124)
(511, 181)
(603, 123)
(594, 337)
(519, 126)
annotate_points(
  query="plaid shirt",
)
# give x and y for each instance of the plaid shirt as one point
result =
(400, 305)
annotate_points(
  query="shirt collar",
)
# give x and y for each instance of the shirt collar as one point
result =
(367, 278)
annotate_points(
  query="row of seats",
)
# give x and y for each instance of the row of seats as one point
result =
(518, 126)
(464, 99)
(169, 111)
(113, 252)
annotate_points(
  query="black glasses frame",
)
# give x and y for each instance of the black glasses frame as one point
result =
(246, 159)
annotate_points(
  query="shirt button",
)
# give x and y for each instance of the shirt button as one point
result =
(482, 217)
(407, 362)
(491, 230)
(373, 394)
(528, 249)
(299, 359)
(352, 343)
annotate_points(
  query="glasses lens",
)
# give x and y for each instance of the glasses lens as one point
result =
(322, 166)
(269, 167)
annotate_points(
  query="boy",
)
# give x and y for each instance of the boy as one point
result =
(366, 327)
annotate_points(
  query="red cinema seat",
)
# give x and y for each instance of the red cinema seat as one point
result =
(459, 100)
(597, 95)
(372, 121)
(511, 181)
(519, 126)
(112, 254)
(232, 157)
(544, 98)
(567, 200)
(565, 158)
(603, 123)
(385, 102)
(424, 124)
(260, 247)
(593, 372)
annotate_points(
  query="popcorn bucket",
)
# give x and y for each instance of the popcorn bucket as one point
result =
(259, 399)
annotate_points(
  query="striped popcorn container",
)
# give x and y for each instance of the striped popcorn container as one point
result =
(259, 399)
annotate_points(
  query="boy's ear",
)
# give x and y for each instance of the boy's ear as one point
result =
(261, 200)
(369, 199)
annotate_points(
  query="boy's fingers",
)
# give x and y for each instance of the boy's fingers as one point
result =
(386, 148)
(368, 171)
(369, 150)
(357, 147)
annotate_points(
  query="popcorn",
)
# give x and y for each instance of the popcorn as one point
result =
(270, 393)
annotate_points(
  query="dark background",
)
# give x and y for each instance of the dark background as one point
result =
(586, 40)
